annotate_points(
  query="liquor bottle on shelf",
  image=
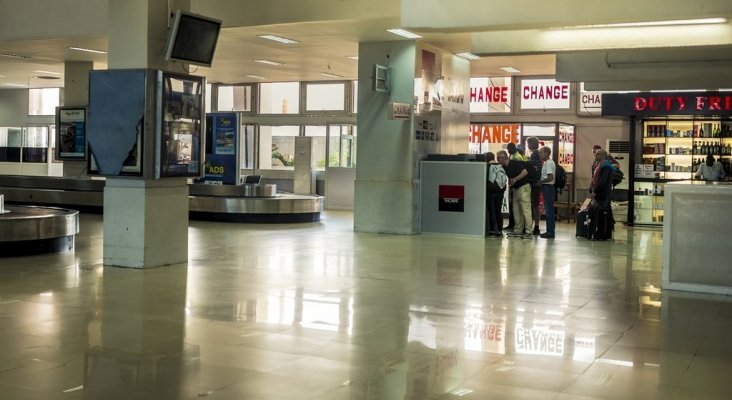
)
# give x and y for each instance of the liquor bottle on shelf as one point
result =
(694, 148)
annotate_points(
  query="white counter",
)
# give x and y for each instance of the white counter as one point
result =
(453, 197)
(697, 237)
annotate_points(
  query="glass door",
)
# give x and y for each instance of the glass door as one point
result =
(340, 171)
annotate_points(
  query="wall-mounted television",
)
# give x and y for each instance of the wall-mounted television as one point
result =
(192, 39)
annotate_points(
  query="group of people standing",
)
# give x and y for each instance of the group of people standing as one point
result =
(528, 177)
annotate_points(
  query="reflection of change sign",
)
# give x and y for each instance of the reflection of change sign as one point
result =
(539, 341)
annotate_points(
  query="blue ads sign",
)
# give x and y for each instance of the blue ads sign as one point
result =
(225, 133)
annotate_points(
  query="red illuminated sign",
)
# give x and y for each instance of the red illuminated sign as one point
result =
(489, 94)
(495, 133)
(705, 103)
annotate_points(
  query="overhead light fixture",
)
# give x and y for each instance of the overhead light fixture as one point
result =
(329, 75)
(11, 55)
(14, 85)
(511, 70)
(699, 21)
(255, 77)
(279, 39)
(95, 51)
(404, 33)
(40, 71)
(353, 57)
(268, 62)
(468, 56)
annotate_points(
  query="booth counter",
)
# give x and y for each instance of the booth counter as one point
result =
(453, 197)
(696, 237)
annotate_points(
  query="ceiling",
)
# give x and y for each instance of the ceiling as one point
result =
(325, 47)
(629, 59)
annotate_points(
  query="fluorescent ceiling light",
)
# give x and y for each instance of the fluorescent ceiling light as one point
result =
(352, 57)
(11, 55)
(700, 21)
(403, 33)
(255, 77)
(87, 50)
(278, 39)
(268, 62)
(511, 70)
(468, 56)
(329, 75)
(40, 71)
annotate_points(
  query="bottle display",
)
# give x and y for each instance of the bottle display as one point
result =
(673, 149)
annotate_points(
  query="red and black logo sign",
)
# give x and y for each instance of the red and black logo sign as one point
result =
(452, 198)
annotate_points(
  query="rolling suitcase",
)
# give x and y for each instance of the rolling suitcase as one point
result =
(583, 224)
(604, 224)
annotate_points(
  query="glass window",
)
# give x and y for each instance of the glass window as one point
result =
(235, 98)
(208, 98)
(325, 97)
(279, 143)
(342, 146)
(10, 144)
(318, 133)
(354, 96)
(43, 101)
(279, 98)
(35, 144)
(246, 150)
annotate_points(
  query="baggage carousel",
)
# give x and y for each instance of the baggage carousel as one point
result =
(28, 230)
(231, 203)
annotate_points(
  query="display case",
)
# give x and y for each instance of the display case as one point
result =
(673, 149)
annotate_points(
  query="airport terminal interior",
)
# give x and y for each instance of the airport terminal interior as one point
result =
(316, 311)
(287, 200)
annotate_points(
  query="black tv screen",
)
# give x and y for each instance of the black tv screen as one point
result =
(193, 39)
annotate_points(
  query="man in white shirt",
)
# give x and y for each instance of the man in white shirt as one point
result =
(711, 170)
(548, 172)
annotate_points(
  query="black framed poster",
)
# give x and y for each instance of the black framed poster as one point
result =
(71, 133)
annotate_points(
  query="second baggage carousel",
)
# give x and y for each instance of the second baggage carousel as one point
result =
(207, 202)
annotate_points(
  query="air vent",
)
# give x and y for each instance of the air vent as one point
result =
(618, 146)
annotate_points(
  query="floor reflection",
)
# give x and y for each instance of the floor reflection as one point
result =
(316, 311)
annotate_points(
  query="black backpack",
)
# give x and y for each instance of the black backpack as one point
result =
(616, 176)
(560, 178)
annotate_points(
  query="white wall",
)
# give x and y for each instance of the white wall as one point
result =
(14, 109)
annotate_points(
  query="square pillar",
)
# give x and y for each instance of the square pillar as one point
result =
(145, 222)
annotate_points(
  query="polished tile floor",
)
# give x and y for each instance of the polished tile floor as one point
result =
(315, 311)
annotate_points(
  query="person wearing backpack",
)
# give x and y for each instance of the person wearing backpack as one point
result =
(601, 187)
(495, 190)
(520, 177)
(548, 174)
(535, 160)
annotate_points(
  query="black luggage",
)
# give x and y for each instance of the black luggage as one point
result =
(583, 224)
(595, 223)
(604, 224)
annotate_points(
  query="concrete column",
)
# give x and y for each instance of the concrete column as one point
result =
(385, 194)
(142, 222)
(145, 221)
(304, 166)
(76, 94)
